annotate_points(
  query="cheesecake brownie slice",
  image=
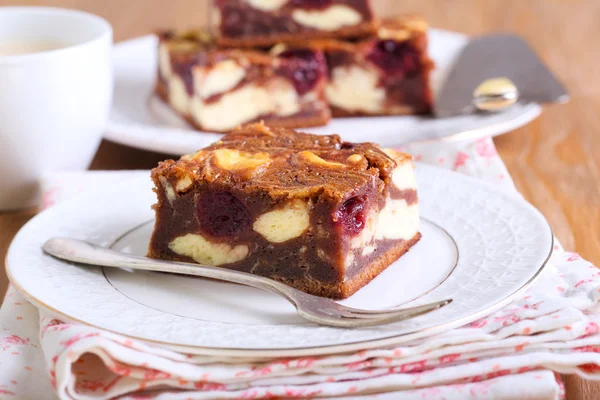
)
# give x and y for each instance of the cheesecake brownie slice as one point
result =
(267, 22)
(387, 74)
(322, 215)
(218, 89)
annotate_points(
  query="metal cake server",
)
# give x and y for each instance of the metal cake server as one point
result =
(492, 73)
(321, 310)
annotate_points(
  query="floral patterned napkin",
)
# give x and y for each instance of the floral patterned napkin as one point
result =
(515, 353)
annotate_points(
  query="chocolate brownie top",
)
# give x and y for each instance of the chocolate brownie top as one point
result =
(399, 28)
(285, 163)
(199, 47)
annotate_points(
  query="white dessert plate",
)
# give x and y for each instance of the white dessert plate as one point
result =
(480, 246)
(139, 119)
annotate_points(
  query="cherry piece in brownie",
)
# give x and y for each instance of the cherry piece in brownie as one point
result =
(250, 23)
(218, 89)
(387, 74)
(319, 214)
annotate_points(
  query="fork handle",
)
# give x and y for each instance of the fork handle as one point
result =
(83, 252)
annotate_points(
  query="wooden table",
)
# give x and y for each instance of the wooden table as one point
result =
(555, 160)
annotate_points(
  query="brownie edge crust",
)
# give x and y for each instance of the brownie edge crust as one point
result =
(319, 214)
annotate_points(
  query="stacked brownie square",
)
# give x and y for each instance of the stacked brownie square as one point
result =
(217, 88)
(291, 63)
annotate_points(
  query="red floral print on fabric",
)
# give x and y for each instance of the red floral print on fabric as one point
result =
(485, 148)
(461, 160)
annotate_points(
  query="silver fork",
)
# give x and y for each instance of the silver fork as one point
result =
(321, 310)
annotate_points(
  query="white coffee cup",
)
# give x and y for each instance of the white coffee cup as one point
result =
(54, 103)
